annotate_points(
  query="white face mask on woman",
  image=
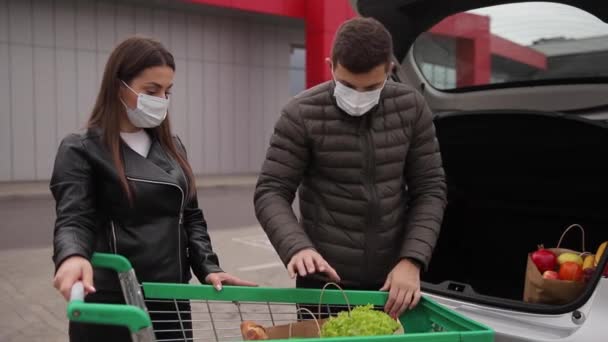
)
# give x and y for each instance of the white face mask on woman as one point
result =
(356, 103)
(150, 112)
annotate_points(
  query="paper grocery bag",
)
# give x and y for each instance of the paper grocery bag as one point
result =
(304, 329)
(549, 291)
(301, 329)
(308, 328)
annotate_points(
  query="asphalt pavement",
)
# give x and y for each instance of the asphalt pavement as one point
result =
(27, 222)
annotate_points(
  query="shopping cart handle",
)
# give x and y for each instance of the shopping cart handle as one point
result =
(128, 316)
(77, 292)
(114, 262)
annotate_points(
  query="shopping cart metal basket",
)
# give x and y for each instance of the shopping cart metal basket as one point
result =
(192, 312)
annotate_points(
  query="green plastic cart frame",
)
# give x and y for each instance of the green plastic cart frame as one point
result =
(428, 322)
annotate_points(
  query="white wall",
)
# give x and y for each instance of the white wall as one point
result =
(232, 77)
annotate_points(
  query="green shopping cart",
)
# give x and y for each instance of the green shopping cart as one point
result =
(200, 313)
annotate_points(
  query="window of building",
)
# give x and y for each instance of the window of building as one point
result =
(297, 70)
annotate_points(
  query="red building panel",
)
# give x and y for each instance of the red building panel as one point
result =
(285, 8)
(508, 49)
(322, 20)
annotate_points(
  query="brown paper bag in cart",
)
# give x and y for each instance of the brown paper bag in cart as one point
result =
(549, 291)
(308, 328)
(304, 329)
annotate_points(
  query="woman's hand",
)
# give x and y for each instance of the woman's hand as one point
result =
(218, 279)
(72, 270)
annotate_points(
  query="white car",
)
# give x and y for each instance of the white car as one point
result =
(520, 94)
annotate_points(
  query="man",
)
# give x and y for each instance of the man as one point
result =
(364, 154)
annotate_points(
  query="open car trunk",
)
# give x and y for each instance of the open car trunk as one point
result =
(407, 19)
(515, 180)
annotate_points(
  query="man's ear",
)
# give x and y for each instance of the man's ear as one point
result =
(328, 61)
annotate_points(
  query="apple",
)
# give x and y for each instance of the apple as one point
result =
(551, 275)
(544, 260)
(570, 270)
(569, 257)
(588, 273)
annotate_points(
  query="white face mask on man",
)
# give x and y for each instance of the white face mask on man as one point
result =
(150, 112)
(356, 103)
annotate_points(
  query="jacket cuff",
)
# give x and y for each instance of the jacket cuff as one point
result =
(286, 257)
(62, 256)
(212, 268)
(417, 258)
(205, 270)
(415, 261)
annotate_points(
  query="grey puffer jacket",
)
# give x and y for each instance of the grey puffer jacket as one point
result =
(372, 188)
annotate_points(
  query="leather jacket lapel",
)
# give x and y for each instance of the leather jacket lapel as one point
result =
(157, 167)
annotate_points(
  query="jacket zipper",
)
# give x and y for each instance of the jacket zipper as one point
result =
(114, 237)
(181, 217)
(372, 178)
(369, 156)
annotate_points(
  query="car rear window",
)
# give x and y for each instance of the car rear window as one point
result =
(513, 43)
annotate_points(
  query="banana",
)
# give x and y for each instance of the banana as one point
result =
(600, 251)
(588, 262)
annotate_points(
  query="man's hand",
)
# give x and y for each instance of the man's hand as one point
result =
(218, 279)
(403, 284)
(308, 261)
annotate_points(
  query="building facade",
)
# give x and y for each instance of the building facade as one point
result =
(238, 63)
(236, 67)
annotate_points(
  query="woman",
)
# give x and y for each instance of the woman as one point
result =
(124, 186)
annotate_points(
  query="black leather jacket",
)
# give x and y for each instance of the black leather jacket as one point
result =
(162, 232)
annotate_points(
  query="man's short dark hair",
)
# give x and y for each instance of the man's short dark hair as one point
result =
(361, 44)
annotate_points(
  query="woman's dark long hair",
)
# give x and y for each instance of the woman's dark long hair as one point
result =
(126, 62)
